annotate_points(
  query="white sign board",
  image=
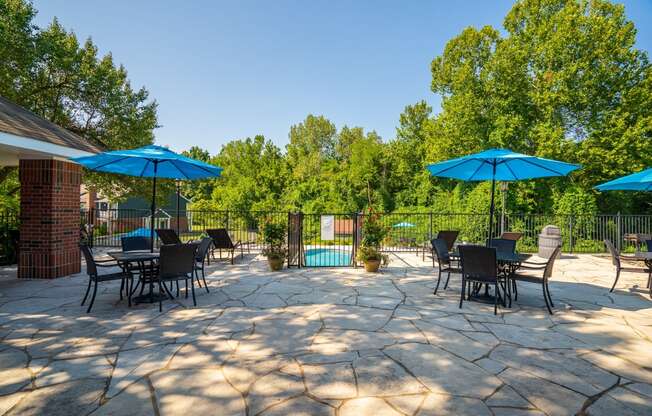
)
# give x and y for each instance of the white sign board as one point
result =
(328, 227)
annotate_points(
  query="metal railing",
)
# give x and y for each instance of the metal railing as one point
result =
(406, 232)
(105, 228)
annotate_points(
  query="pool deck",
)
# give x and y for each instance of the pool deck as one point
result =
(331, 341)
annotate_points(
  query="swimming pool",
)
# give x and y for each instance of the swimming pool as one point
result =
(324, 257)
(139, 232)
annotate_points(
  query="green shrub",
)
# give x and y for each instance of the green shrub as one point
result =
(274, 237)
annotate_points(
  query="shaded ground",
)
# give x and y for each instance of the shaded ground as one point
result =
(329, 341)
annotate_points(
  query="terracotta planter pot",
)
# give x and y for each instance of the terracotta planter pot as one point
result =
(275, 264)
(371, 265)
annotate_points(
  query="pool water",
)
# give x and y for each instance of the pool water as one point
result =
(316, 257)
(139, 232)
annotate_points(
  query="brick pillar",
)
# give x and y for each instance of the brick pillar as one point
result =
(49, 219)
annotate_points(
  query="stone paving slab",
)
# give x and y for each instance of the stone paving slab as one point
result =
(329, 342)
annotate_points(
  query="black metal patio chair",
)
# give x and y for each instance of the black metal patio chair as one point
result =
(449, 236)
(168, 236)
(176, 262)
(125, 277)
(200, 260)
(479, 266)
(502, 245)
(616, 258)
(222, 241)
(648, 244)
(135, 243)
(444, 262)
(543, 280)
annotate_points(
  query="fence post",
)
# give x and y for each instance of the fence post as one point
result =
(301, 255)
(570, 233)
(354, 251)
(430, 233)
(618, 231)
(290, 240)
(91, 228)
(227, 220)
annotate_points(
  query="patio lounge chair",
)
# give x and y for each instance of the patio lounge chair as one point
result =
(200, 260)
(616, 258)
(648, 244)
(543, 280)
(444, 261)
(168, 236)
(94, 278)
(177, 262)
(222, 241)
(510, 235)
(479, 266)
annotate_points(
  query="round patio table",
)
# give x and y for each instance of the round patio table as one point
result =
(507, 263)
(141, 257)
(645, 257)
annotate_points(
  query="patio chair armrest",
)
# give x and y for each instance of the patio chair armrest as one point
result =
(106, 263)
(533, 266)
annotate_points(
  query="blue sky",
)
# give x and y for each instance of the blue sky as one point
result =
(226, 70)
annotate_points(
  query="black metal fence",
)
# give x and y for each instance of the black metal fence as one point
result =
(406, 232)
(105, 228)
(308, 246)
(329, 239)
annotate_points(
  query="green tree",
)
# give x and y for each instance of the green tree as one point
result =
(253, 179)
(50, 73)
(362, 170)
(409, 182)
(565, 82)
(198, 190)
(311, 160)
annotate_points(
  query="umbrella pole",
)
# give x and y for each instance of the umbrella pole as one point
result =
(153, 213)
(492, 206)
(178, 205)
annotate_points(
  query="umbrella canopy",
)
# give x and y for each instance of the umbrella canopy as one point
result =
(150, 162)
(500, 165)
(404, 225)
(640, 181)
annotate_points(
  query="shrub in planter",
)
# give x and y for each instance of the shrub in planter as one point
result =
(372, 258)
(373, 234)
(275, 244)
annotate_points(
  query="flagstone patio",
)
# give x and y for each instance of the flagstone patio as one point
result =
(329, 341)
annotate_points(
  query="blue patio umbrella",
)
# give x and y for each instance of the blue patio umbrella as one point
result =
(500, 165)
(150, 162)
(640, 181)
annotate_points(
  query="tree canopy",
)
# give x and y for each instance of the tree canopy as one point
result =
(561, 79)
(48, 71)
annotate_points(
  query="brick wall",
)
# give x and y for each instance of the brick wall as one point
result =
(49, 223)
